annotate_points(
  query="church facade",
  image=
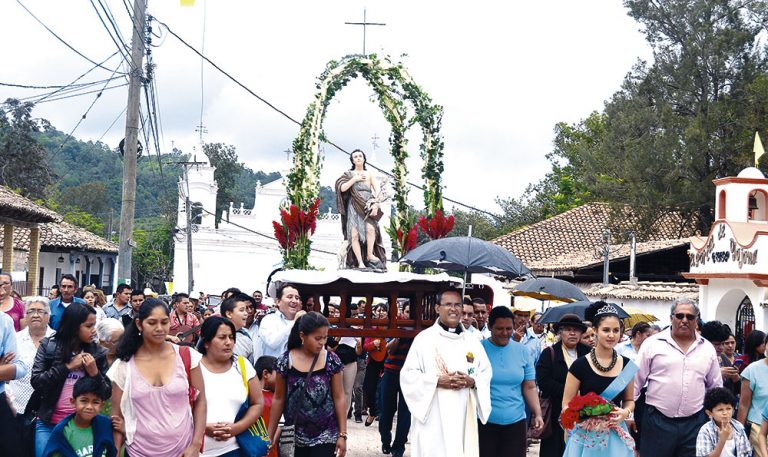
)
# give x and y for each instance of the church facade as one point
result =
(242, 251)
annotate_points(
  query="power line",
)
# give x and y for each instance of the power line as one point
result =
(25, 86)
(284, 114)
(259, 233)
(61, 39)
(117, 37)
(45, 99)
(82, 118)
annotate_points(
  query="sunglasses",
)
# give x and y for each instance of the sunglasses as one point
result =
(689, 317)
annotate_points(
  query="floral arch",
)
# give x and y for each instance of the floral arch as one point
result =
(403, 104)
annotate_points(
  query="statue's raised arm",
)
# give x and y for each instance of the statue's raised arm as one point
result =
(358, 199)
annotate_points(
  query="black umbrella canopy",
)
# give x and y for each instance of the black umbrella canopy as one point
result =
(549, 289)
(466, 254)
(553, 314)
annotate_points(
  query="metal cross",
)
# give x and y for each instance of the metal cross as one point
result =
(375, 138)
(365, 24)
(288, 154)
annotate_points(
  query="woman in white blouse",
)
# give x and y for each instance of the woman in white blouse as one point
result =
(38, 312)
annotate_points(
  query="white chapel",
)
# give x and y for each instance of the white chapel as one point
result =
(242, 251)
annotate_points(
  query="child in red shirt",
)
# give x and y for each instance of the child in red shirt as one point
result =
(265, 370)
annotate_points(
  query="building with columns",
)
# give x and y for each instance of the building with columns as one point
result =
(242, 251)
(730, 264)
(38, 247)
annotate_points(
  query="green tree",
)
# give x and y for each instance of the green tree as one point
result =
(224, 158)
(678, 123)
(23, 163)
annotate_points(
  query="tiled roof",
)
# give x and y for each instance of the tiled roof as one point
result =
(588, 258)
(14, 206)
(62, 235)
(644, 290)
(569, 240)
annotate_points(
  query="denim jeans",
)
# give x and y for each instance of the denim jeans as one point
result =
(392, 400)
(43, 431)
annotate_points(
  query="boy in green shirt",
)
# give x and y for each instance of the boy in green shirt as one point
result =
(84, 433)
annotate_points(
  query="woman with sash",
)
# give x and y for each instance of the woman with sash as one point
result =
(611, 376)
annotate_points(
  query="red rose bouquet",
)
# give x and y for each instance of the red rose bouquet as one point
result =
(582, 407)
(592, 413)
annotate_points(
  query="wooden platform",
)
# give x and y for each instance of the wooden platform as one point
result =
(422, 291)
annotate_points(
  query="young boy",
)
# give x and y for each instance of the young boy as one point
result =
(722, 435)
(265, 370)
(84, 433)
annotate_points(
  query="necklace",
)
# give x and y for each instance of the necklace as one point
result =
(596, 363)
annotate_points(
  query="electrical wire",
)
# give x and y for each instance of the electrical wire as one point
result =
(287, 116)
(123, 50)
(82, 118)
(24, 86)
(61, 39)
(259, 233)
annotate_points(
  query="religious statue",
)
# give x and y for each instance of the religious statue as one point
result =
(358, 199)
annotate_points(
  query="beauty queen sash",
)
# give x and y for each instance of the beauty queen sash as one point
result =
(626, 376)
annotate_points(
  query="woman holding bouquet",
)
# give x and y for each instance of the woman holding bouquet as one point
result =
(609, 375)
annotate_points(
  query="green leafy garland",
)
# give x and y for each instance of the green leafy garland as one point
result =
(393, 86)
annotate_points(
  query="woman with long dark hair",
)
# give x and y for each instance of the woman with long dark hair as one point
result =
(153, 381)
(61, 359)
(225, 391)
(309, 391)
(754, 350)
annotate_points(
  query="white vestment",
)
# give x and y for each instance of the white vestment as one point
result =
(441, 423)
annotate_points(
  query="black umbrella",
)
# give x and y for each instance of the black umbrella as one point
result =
(553, 314)
(468, 255)
(549, 289)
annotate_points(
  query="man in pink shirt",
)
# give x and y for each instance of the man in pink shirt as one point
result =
(677, 367)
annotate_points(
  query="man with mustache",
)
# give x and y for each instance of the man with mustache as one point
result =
(678, 366)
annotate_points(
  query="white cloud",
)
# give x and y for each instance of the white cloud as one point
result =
(505, 73)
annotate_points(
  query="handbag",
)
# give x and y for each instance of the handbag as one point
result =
(546, 414)
(287, 442)
(253, 441)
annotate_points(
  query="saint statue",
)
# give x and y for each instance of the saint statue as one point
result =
(358, 199)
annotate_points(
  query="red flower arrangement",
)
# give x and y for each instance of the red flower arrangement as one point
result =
(583, 407)
(407, 241)
(293, 232)
(437, 226)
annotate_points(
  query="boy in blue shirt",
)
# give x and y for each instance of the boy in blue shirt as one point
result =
(84, 433)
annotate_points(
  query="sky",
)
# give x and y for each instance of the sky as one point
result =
(504, 72)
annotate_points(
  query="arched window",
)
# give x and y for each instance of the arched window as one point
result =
(757, 204)
(721, 205)
(197, 213)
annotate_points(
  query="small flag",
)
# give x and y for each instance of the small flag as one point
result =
(187, 2)
(758, 148)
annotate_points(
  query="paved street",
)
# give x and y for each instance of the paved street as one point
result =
(364, 442)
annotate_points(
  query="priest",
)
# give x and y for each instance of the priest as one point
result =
(446, 382)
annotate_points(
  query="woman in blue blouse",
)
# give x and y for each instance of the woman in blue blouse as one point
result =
(513, 385)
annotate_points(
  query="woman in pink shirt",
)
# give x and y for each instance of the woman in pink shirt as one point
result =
(153, 382)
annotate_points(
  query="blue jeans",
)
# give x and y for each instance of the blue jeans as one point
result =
(43, 431)
(391, 399)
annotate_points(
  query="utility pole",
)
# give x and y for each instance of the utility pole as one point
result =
(128, 206)
(188, 211)
(606, 254)
(108, 235)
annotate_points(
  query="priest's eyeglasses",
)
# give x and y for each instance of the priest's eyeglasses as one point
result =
(453, 305)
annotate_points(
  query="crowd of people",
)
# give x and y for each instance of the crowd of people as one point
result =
(82, 375)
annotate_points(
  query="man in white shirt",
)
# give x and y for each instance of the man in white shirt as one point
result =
(275, 327)
(468, 319)
(481, 317)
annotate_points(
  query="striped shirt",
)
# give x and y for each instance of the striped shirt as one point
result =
(396, 358)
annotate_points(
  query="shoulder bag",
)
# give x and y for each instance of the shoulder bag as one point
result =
(546, 412)
(254, 441)
(287, 442)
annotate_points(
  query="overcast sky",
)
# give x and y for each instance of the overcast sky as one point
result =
(505, 73)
